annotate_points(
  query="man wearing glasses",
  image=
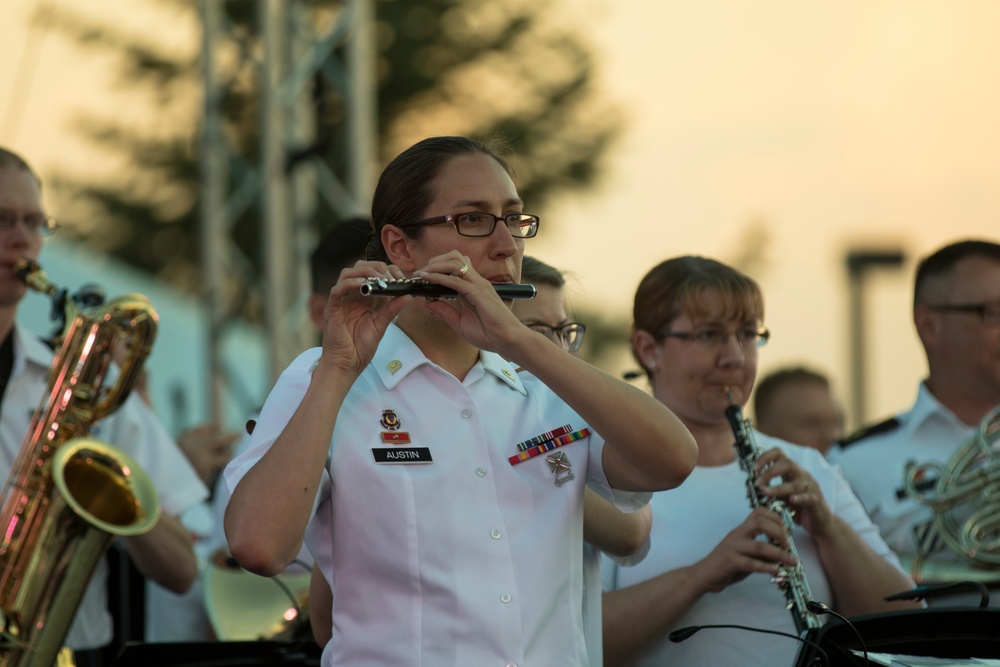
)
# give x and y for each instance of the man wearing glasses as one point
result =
(956, 311)
(165, 553)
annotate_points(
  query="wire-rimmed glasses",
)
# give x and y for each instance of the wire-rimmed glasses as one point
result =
(715, 337)
(988, 312)
(478, 224)
(36, 223)
(569, 336)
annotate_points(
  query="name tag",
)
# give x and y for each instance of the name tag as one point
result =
(402, 455)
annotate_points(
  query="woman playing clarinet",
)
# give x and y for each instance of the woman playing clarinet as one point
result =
(721, 547)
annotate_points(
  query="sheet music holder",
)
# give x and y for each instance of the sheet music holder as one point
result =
(897, 660)
(958, 632)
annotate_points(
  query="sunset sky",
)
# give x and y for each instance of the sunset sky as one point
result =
(786, 131)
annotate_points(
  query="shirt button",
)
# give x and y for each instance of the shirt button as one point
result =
(466, 413)
(511, 664)
(481, 472)
(505, 598)
(495, 534)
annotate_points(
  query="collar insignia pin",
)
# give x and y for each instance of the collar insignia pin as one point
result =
(394, 366)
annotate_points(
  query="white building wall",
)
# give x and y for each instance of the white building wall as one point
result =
(177, 367)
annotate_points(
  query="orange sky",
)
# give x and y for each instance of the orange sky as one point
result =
(805, 128)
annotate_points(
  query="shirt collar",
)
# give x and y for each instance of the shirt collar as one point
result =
(503, 369)
(29, 349)
(398, 356)
(926, 408)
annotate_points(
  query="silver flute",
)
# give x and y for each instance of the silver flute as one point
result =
(421, 287)
(791, 579)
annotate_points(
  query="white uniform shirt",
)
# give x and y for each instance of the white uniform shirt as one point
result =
(133, 428)
(874, 466)
(691, 520)
(464, 560)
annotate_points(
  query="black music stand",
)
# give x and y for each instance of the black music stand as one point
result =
(298, 653)
(958, 632)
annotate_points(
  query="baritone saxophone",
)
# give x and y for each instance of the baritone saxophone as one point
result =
(68, 496)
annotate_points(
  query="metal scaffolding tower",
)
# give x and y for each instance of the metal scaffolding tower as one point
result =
(294, 45)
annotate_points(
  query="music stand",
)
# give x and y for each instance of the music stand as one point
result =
(958, 632)
(302, 653)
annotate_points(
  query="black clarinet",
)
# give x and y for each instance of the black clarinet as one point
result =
(421, 287)
(790, 579)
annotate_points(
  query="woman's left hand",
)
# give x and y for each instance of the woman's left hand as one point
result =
(478, 314)
(796, 488)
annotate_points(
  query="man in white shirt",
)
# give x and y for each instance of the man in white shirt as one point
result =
(956, 311)
(164, 553)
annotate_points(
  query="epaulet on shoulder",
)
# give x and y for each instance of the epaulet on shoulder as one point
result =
(867, 431)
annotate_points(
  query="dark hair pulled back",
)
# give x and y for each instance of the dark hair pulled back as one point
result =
(405, 188)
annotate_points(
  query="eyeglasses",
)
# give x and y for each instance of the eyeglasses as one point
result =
(568, 336)
(747, 337)
(988, 312)
(520, 225)
(36, 223)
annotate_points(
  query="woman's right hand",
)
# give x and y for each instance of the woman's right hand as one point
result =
(354, 324)
(740, 553)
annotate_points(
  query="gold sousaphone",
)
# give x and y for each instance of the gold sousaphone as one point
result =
(965, 497)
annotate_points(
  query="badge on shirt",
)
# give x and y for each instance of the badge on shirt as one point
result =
(546, 442)
(560, 467)
(404, 455)
(543, 437)
(391, 423)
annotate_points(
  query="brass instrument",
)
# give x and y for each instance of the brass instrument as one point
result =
(68, 496)
(242, 606)
(965, 498)
(791, 580)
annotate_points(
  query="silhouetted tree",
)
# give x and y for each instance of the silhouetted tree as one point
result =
(477, 67)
